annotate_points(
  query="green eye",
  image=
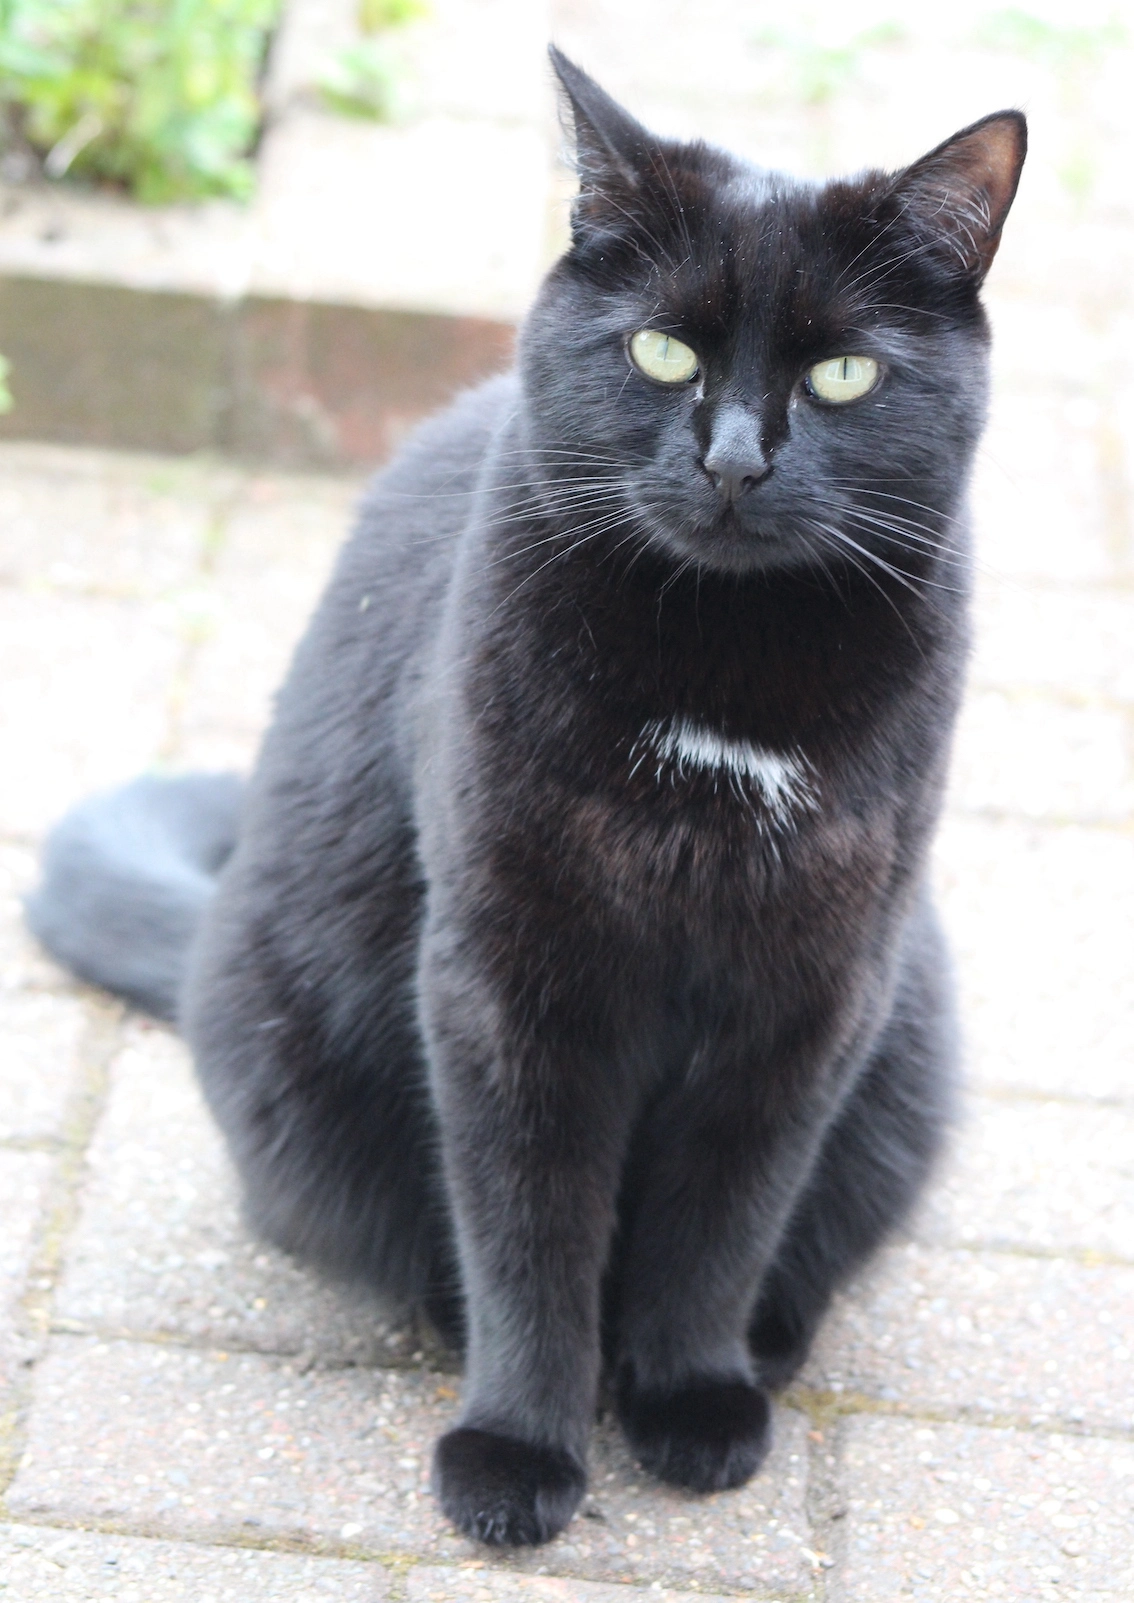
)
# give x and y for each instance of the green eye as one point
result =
(844, 379)
(661, 357)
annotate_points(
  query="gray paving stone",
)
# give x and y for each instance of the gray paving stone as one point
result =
(1075, 643)
(955, 1511)
(1042, 925)
(160, 1248)
(40, 1036)
(85, 688)
(1047, 1176)
(1031, 522)
(60, 1566)
(1029, 754)
(207, 1445)
(278, 548)
(102, 522)
(985, 1333)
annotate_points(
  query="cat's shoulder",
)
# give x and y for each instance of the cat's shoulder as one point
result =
(447, 448)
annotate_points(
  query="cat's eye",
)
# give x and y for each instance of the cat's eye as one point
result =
(844, 379)
(660, 357)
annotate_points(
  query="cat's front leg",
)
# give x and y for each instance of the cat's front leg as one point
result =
(714, 1168)
(532, 1140)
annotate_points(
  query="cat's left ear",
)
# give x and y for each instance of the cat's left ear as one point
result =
(612, 149)
(959, 195)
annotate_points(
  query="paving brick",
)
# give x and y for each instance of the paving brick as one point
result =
(1042, 924)
(102, 522)
(85, 684)
(1019, 752)
(166, 1439)
(1032, 521)
(277, 551)
(987, 1333)
(60, 1566)
(1075, 643)
(1044, 1176)
(955, 1511)
(24, 1181)
(40, 1036)
(160, 1248)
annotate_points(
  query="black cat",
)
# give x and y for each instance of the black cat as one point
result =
(573, 971)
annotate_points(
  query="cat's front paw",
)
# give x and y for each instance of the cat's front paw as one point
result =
(706, 1436)
(505, 1492)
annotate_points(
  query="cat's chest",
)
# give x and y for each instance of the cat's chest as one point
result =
(774, 787)
(694, 828)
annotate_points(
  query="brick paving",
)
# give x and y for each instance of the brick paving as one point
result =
(186, 1414)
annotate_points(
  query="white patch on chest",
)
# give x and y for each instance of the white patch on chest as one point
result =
(781, 779)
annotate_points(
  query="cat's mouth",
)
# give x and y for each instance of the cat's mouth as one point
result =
(731, 541)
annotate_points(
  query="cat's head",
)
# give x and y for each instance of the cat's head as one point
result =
(763, 371)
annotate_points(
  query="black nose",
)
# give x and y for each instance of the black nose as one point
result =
(736, 460)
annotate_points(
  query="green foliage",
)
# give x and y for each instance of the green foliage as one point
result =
(157, 95)
(375, 15)
(1037, 40)
(823, 71)
(362, 81)
(366, 78)
(6, 402)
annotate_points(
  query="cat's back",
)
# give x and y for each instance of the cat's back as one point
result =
(377, 612)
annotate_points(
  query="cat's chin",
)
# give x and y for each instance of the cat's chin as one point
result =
(727, 548)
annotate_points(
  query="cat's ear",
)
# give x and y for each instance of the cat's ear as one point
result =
(958, 196)
(612, 150)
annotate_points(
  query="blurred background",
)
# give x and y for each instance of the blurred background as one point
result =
(244, 245)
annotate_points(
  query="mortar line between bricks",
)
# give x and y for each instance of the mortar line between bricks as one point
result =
(399, 1564)
(51, 1144)
(998, 1091)
(101, 1039)
(227, 1349)
(1076, 700)
(1006, 815)
(1086, 1257)
(826, 1408)
(213, 539)
(818, 1502)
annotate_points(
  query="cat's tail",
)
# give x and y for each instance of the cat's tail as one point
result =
(126, 876)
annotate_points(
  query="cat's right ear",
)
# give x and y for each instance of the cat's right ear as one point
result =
(612, 150)
(958, 196)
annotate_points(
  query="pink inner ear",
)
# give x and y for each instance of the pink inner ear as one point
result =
(989, 159)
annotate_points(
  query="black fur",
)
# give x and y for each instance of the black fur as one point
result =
(507, 1003)
(126, 876)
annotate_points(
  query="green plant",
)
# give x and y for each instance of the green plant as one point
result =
(6, 402)
(157, 95)
(365, 78)
(1038, 40)
(822, 71)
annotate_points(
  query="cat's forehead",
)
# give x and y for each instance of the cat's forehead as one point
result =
(748, 244)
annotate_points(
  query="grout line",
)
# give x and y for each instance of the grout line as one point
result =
(400, 1565)
(825, 1408)
(1005, 815)
(303, 1360)
(213, 539)
(101, 1039)
(1002, 1091)
(1085, 1257)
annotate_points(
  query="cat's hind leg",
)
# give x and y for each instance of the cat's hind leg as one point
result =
(872, 1165)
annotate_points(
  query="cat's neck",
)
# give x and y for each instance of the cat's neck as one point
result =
(762, 658)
